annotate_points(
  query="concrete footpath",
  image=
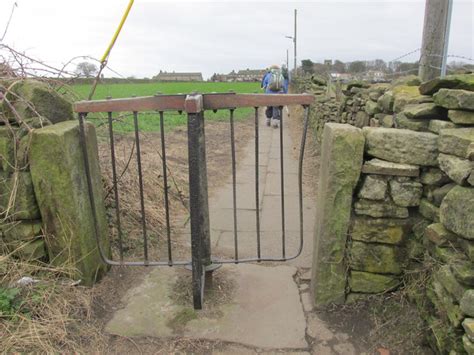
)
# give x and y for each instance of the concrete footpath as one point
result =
(253, 307)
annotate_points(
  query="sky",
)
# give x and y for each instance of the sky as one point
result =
(219, 36)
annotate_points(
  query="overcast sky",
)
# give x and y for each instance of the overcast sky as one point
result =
(223, 35)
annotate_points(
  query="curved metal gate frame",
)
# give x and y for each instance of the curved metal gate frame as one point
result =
(194, 105)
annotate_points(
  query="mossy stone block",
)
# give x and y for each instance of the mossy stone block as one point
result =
(377, 258)
(380, 209)
(467, 303)
(444, 338)
(468, 345)
(28, 251)
(455, 141)
(40, 98)
(380, 230)
(425, 111)
(464, 272)
(21, 231)
(456, 81)
(17, 195)
(440, 193)
(461, 117)
(436, 126)
(59, 177)
(457, 211)
(405, 95)
(341, 155)
(446, 278)
(458, 169)
(406, 193)
(468, 247)
(374, 187)
(402, 146)
(444, 254)
(445, 305)
(468, 325)
(455, 99)
(367, 282)
(436, 233)
(428, 210)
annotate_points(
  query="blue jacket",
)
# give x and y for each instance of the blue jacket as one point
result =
(266, 83)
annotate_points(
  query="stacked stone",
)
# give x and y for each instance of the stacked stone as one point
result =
(385, 208)
(324, 110)
(352, 106)
(20, 222)
(448, 208)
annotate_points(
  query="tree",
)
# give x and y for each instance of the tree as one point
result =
(380, 65)
(321, 69)
(357, 66)
(86, 69)
(338, 66)
(408, 68)
(307, 66)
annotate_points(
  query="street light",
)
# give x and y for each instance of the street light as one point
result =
(294, 45)
(293, 38)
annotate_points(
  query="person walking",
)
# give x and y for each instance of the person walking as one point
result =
(274, 83)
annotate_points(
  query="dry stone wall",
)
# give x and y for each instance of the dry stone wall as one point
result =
(43, 197)
(360, 104)
(413, 206)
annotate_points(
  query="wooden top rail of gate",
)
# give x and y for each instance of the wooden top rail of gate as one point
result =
(196, 102)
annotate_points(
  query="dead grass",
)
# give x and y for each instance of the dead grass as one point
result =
(219, 167)
(51, 315)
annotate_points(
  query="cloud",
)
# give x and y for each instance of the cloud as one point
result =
(224, 35)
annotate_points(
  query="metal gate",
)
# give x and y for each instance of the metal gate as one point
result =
(202, 262)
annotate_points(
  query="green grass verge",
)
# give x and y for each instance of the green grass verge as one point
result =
(149, 121)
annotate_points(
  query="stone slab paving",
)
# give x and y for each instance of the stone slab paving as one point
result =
(220, 204)
(265, 311)
(270, 309)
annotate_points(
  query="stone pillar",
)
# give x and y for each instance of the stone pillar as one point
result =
(60, 185)
(341, 163)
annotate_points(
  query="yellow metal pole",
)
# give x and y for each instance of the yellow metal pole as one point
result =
(103, 60)
(117, 32)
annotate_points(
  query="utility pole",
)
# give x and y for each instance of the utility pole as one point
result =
(294, 43)
(434, 47)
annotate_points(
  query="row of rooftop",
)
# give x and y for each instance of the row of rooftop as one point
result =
(246, 75)
(254, 75)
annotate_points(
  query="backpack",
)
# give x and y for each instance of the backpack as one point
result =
(276, 80)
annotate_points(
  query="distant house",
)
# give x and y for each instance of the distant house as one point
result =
(247, 75)
(344, 77)
(375, 76)
(164, 76)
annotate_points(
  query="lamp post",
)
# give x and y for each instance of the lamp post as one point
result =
(293, 38)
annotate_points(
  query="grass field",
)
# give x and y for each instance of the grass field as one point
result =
(149, 121)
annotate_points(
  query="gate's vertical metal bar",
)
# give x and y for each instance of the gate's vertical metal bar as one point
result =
(165, 188)
(257, 199)
(140, 184)
(234, 185)
(282, 173)
(114, 179)
(300, 173)
(198, 196)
